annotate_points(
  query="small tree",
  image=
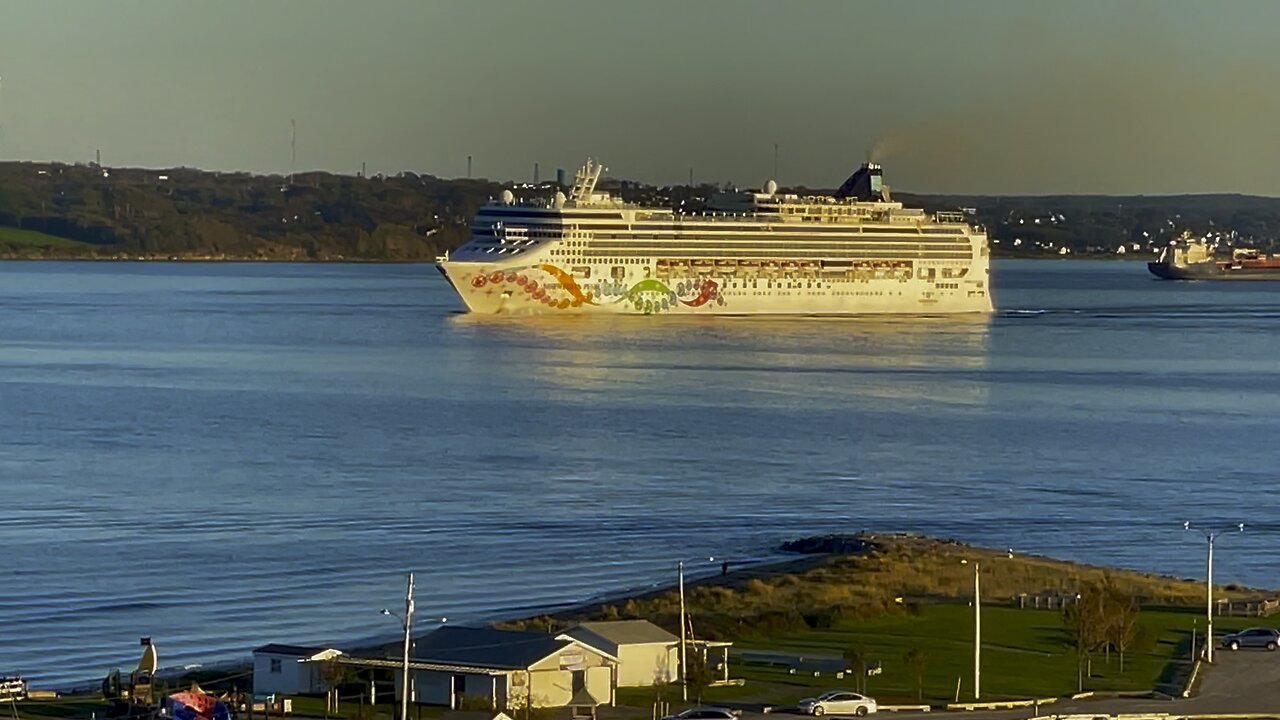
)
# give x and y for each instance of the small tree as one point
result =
(856, 656)
(916, 661)
(522, 704)
(699, 675)
(662, 682)
(333, 674)
(1085, 622)
(1124, 627)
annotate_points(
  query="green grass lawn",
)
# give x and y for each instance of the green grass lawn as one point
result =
(1024, 654)
(78, 706)
(33, 239)
(314, 707)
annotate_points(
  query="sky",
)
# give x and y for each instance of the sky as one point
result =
(975, 97)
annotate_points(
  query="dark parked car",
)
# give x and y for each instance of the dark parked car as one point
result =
(1258, 637)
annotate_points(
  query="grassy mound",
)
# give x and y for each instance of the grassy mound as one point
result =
(16, 240)
(889, 574)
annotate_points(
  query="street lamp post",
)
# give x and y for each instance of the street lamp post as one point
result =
(407, 621)
(977, 629)
(1209, 535)
(684, 655)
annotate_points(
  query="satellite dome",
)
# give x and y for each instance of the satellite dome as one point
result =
(559, 199)
(508, 197)
(770, 187)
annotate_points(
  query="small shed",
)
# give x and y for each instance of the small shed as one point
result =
(647, 654)
(290, 669)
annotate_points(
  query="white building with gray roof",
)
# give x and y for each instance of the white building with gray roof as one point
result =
(647, 654)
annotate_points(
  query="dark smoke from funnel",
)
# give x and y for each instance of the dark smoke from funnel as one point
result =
(1113, 118)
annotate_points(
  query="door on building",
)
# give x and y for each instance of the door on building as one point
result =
(459, 688)
(579, 682)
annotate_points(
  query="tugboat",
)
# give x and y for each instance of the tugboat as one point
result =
(1188, 259)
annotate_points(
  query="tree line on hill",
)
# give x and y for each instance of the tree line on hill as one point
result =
(187, 213)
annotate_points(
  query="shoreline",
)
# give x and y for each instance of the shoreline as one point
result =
(818, 555)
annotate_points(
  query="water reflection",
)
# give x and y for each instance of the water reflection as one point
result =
(823, 362)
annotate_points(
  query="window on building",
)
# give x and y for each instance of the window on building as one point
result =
(277, 665)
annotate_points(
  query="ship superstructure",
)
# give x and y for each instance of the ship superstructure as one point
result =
(754, 253)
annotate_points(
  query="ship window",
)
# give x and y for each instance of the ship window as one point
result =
(619, 272)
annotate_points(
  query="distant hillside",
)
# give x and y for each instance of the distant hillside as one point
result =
(188, 213)
(1100, 224)
(82, 211)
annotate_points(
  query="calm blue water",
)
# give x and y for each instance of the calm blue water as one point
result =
(220, 456)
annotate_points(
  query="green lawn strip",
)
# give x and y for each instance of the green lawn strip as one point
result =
(307, 706)
(31, 238)
(1025, 654)
(76, 706)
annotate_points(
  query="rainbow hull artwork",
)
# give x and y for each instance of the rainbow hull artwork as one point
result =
(854, 252)
(547, 289)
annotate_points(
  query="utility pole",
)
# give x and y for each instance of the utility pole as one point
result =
(1208, 601)
(775, 162)
(684, 658)
(1209, 536)
(977, 633)
(408, 631)
(468, 166)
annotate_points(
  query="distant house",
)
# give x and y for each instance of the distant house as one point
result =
(647, 654)
(505, 668)
(290, 669)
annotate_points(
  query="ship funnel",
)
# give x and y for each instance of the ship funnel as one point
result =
(865, 183)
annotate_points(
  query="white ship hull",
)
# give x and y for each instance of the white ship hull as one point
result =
(532, 288)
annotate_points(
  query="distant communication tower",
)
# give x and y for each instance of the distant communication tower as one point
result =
(293, 148)
(1, 122)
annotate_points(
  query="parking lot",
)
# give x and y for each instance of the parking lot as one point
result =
(1247, 681)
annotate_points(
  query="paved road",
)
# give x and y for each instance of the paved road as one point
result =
(1240, 682)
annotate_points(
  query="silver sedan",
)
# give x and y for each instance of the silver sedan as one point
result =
(838, 702)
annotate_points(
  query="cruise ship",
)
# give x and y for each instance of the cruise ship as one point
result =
(854, 252)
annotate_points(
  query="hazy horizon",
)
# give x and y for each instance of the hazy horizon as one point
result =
(973, 98)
